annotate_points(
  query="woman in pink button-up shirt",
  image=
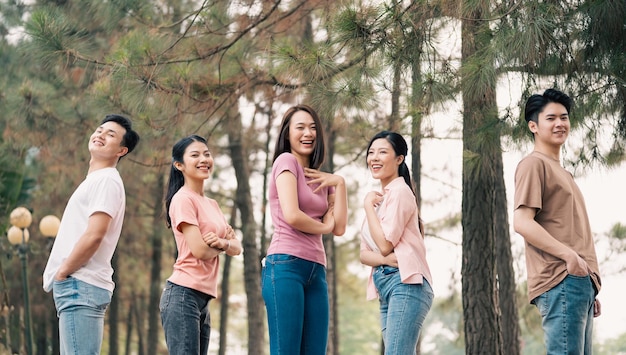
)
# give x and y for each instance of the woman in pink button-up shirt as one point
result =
(393, 245)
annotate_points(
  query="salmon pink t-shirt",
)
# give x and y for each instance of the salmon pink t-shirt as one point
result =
(286, 239)
(189, 207)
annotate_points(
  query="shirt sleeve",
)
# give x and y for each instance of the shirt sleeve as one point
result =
(400, 207)
(106, 196)
(285, 162)
(529, 182)
(183, 210)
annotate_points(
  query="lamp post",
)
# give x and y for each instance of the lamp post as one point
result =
(18, 234)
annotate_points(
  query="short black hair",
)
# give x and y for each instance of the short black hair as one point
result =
(130, 138)
(536, 103)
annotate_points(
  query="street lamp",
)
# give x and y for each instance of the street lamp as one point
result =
(49, 227)
(18, 234)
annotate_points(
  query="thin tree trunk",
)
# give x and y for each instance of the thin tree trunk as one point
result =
(417, 103)
(504, 267)
(329, 246)
(243, 201)
(154, 324)
(481, 145)
(225, 293)
(114, 309)
(129, 325)
(139, 310)
(394, 118)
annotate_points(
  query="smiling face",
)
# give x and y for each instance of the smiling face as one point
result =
(383, 161)
(197, 162)
(552, 126)
(106, 142)
(302, 135)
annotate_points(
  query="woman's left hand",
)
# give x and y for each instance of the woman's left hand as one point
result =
(322, 178)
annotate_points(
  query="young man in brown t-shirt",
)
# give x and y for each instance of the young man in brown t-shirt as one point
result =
(550, 213)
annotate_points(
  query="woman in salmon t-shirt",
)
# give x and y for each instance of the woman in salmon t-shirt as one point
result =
(393, 245)
(201, 234)
(305, 203)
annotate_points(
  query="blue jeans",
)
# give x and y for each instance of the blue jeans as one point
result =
(185, 319)
(567, 315)
(80, 308)
(296, 298)
(403, 308)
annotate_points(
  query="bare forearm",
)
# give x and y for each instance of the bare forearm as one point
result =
(304, 223)
(538, 237)
(376, 231)
(340, 209)
(86, 247)
(371, 258)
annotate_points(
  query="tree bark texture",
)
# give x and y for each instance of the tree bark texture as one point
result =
(243, 201)
(481, 146)
(154, 323)
(505, 273)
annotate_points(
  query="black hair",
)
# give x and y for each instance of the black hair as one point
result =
(130, 138)
(400, 148)
(536, 103)
(177, 180)
(283, 145)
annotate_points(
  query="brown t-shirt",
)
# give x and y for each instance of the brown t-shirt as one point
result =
(543, 184)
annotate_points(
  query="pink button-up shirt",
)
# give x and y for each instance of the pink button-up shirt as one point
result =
(398, 216)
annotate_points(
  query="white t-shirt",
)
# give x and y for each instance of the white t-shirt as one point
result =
(101, 191)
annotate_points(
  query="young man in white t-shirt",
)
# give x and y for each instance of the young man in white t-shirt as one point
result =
(79, 271)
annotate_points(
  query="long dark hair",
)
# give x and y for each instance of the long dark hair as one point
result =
(400, 148)
(177, 180)
(283, 145)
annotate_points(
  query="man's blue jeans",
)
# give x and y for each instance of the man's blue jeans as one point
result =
(80, 308)
(567, 315)
(403, 309)
(296, 298)
(185, 319)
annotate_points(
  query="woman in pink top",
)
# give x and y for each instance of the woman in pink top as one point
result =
(201, 234)
(393, 245)
(305, 203)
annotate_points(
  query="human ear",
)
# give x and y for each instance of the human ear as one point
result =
(532, 126)
(123, 151)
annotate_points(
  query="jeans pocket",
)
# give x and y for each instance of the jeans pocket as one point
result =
(280, 259)
(539, 302)
(165, 296)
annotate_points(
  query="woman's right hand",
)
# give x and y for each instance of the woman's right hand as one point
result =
(373, 198)
(210, 238)
(329, 220)
(391, 259)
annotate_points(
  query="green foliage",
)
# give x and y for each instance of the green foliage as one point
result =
(15, 183)
(177, 67)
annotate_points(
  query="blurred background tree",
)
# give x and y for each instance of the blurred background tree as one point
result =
(228, 69)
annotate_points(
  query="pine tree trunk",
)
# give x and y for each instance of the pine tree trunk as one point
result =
(154, 324)
(481, 146)
(504, 267)
(113, 311)
(243, 201)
